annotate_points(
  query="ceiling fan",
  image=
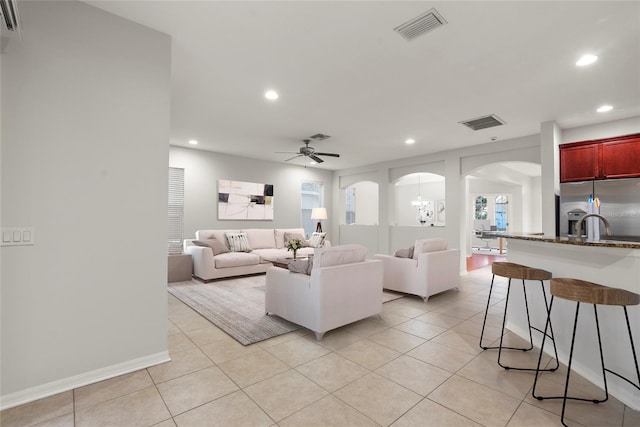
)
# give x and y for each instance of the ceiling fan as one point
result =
(310, 152)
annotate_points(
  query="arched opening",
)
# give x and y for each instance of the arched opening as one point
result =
(420, 200)
(500, 198)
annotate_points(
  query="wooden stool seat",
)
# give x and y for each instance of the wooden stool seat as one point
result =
(592, 293)
(511, 271)
(517, 271)
(581, 291)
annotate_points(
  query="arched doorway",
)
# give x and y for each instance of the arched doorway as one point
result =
(499, 198)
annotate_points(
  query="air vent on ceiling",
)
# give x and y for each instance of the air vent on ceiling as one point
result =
(484, 122)
(9, 12)
(319, 136)
(422, 24)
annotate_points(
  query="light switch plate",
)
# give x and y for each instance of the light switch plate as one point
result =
(17, 236)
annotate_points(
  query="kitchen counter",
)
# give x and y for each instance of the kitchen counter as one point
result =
(609, 263)
(568, 241)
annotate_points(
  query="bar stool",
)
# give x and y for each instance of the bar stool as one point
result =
(523, 272)
(582, 291)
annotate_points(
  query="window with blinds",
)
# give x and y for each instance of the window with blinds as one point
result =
(176, 210)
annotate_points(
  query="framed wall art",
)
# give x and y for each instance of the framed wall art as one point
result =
(245, 200)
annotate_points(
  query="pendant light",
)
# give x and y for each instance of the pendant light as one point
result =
(418, 202)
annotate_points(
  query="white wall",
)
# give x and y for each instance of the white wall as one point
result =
(203, 169)
(532, 206)
(602, 130)
(366, 205)
(85, 115)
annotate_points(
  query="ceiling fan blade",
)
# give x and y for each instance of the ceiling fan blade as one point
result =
(286, 152)
(316, 158)
(327, 154)
(294, 157)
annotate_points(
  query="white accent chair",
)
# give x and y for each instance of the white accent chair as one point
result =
(433, 269)
(343, 287)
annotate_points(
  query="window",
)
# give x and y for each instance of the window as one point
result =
(481, 208)
(351, 205)
(311, 196)
(176, 210)
(502, 210)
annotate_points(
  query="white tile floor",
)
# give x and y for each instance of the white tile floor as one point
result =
(419, 365)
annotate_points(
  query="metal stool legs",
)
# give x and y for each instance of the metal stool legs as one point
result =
(504, 319)
(564, 397)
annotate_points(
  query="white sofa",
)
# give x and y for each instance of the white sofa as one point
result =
(433, 269)
(266, 243)
(343, 287)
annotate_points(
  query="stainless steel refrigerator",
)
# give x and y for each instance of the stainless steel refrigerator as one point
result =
(619, 203)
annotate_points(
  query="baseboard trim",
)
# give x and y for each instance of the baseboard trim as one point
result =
(45, 390)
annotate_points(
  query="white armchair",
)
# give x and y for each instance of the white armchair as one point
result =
(343, 287)
(433, 269)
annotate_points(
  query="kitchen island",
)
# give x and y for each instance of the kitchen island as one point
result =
(609, 263)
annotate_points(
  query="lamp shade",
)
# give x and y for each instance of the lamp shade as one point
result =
(319, 213)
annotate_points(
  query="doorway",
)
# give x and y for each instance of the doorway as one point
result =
(500, 198)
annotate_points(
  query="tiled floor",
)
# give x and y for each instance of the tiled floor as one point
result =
(419, 365)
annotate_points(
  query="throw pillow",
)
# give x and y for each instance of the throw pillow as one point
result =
(216, 245)
(302, 266)
(289, 236)
(317, 239)
(238, 242)
(404, 253)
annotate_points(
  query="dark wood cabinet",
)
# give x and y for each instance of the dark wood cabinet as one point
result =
(600, 159)
(621, 159)
(579, 163)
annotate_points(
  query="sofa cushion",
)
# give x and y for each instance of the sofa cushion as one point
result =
(317, 239)
(279, 235)
(302, 266)
(236, 259)
(337, 255)
(260, 238)
(238, 242)
(288, 236)
(271, 253)
(216, 245)
(428, 245)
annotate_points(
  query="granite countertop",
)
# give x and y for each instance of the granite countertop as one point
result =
(567, 241)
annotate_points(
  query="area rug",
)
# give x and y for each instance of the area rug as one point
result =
(237, 307)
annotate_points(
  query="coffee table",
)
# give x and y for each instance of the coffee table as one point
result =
(284, 262)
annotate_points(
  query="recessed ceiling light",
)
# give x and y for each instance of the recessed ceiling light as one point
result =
(604, 109)
(271, 94)
(312, 162)
(193, 142)
(410, 141)
(586, 60)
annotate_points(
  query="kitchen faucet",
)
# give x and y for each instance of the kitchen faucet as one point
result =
(607, 227)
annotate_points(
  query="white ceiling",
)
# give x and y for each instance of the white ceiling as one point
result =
(341, 70)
